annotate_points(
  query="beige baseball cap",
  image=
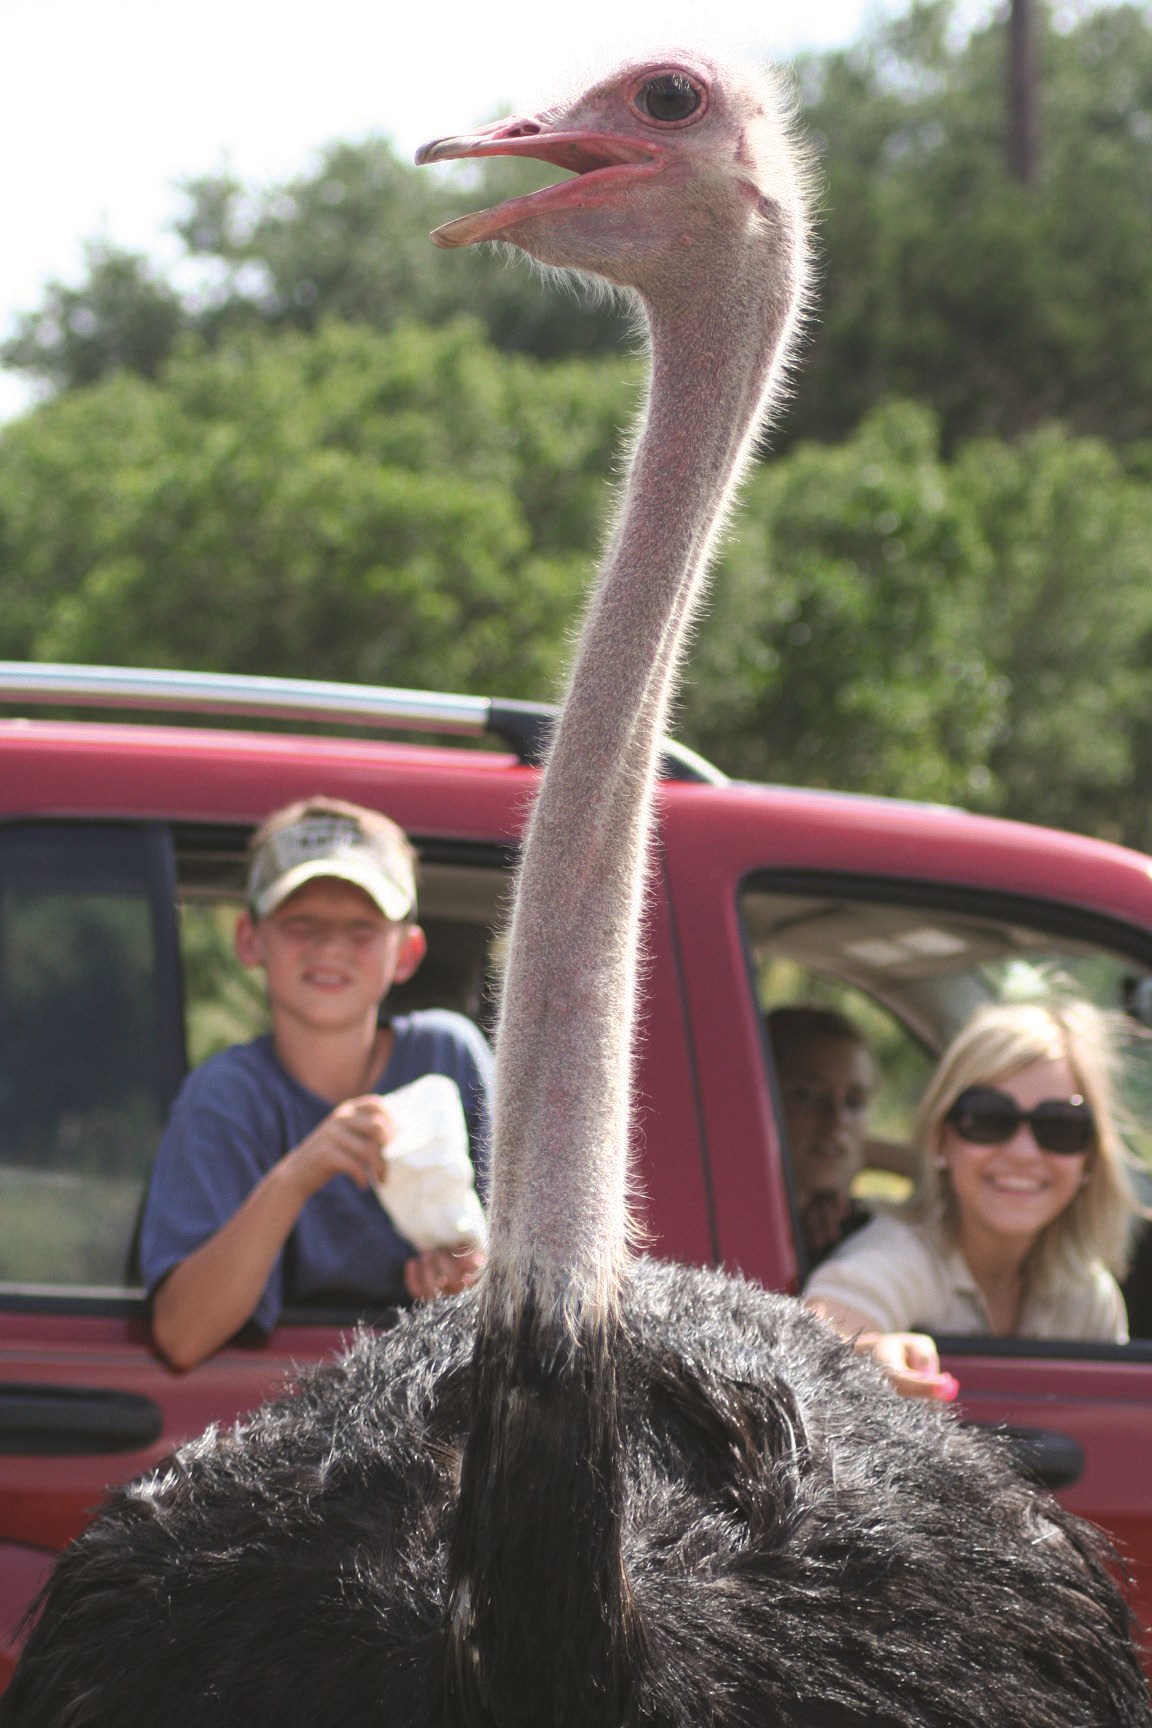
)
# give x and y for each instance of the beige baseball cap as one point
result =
(323, 843)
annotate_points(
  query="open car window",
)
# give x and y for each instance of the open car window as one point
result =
(117, 973)
(909, 965)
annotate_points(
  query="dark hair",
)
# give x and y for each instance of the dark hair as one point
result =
(803, 1022)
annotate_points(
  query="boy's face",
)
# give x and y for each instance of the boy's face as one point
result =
(329, 954)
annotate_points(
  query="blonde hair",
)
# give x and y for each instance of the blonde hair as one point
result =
(998, 1042)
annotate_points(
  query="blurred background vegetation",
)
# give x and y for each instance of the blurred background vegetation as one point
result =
(323, 448)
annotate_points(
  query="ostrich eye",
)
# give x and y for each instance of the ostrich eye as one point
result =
(671, 96)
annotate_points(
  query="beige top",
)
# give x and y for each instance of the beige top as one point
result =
(894, 1272)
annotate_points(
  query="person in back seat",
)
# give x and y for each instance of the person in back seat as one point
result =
(262, 1190)
(826, 1079)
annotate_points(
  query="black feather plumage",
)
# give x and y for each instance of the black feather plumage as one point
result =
(791, 1544)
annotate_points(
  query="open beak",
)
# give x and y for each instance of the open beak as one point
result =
(603, 166)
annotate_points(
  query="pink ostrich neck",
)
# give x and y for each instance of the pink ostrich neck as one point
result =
(569, 1006)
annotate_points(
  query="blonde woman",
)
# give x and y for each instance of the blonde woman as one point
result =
(1021, 1221)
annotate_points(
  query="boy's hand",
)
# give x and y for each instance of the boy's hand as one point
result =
(349, 1142)
(443, 1271)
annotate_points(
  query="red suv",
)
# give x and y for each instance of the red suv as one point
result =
(121, 871)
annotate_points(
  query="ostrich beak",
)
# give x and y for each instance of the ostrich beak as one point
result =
(604, 165)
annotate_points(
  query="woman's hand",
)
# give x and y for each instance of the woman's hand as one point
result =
(910, 1359)
(912, 1363)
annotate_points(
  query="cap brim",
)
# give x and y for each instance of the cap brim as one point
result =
(388, 896)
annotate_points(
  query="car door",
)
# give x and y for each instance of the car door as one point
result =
(921, 952)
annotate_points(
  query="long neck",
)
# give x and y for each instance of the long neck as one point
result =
(569, 1000)
(541, 1622)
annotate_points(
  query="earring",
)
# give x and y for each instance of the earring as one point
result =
(941, 1162)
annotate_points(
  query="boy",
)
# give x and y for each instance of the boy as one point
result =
(261, 1188)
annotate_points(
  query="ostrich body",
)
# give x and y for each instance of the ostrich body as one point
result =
(598, 1492)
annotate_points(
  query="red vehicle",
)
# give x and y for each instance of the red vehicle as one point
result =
(121, 870)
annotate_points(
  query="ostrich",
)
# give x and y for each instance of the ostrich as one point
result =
(599, 1492)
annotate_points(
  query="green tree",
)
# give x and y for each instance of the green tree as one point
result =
(1003, 306)
(350, 240)
(844, 647)
(347, 240)
(1066, 623)
(404, 508)
(1000, 305)
(415, 508)
(975, 630)
(124, 317)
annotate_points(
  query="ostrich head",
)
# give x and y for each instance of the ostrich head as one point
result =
(674, 158)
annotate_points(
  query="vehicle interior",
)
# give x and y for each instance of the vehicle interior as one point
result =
(909, 965)
(104, 929)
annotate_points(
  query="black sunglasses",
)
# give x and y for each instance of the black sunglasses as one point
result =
(986, 1117)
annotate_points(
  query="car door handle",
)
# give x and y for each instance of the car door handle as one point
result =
(38, 1419)
(1051, 1459)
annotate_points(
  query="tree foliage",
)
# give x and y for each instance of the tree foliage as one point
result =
(843, 646)
(414, 508)
(124, 318)
(975, 630)
(407, 508)
(1003, 306)
(347, 240)
(1067, 618)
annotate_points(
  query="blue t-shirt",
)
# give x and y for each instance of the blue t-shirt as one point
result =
(240, 1112)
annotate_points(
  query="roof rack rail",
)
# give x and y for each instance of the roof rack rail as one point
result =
(525, 726)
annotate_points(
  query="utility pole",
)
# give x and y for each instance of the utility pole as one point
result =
(1022, 142)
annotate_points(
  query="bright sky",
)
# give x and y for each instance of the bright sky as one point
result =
(105, 103)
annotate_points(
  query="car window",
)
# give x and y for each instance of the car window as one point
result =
(909, 971)
(90, 1046)
(117, 972)
(223, 1002)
